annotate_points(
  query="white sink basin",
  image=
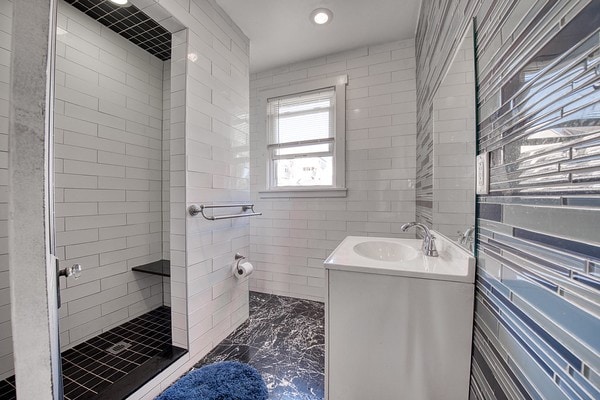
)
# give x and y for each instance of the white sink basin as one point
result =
(385, 251)
(403, 257)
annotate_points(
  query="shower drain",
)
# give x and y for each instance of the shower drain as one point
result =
(118, 347)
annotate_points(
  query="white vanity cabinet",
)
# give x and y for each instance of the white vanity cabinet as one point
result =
(398, 324)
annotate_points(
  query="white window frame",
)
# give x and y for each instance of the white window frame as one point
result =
(338, 189)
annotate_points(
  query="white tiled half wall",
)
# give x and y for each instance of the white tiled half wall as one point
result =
(6, 347)
(454, 145)
(108, 181)
(289, 243)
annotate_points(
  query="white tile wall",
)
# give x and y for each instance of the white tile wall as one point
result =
(217, 163)
(209, 163)
(209, 127)
(454, 145)
(289, 243)
(166, 179)
(177, 181)
(6, 347)
(109, 159)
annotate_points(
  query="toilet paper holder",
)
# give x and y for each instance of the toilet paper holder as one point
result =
(239, 258)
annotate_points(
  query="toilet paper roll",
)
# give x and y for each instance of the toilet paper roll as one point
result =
(245, 269)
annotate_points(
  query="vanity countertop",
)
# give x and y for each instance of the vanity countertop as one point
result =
(403, 257)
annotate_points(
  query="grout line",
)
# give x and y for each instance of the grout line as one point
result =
(81, 384)
(98, 361)
(87, 371)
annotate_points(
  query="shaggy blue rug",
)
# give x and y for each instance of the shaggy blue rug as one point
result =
(228, 380)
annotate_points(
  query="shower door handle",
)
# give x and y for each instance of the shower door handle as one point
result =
(74, 271)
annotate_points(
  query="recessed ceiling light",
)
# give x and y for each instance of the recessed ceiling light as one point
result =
(321, 16)
(120, 2)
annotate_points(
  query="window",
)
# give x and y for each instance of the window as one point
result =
(305, 142)
(301, 133)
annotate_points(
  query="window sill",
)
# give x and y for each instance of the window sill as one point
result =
(303, 193)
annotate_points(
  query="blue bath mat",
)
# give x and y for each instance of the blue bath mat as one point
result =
(228, 380)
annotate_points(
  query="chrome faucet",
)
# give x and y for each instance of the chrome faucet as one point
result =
(428, 240)
(467, 238)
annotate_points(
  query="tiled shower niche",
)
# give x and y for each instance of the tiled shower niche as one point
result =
(538, 284)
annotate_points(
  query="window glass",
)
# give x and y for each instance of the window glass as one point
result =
(309, 171)
(302, 139)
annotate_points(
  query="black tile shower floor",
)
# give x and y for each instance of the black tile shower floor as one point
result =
(90, 371)
(7, 389)
(284, 339)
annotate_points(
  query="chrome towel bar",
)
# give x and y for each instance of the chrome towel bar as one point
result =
(199, 209)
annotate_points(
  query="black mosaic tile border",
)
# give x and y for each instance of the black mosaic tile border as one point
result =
(131, 23)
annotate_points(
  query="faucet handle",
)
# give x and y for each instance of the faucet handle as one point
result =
(430, 249)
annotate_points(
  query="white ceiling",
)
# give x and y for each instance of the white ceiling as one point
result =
(280, 31)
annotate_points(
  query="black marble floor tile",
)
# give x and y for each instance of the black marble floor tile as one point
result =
(284, 339)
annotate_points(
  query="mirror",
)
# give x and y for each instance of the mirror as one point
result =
(454, 147)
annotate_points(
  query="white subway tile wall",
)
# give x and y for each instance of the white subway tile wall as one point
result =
(166, 179)
(209, 164)
(177, 190)
(289, 243)
(6, 347)
(109, 159)
(217, 162)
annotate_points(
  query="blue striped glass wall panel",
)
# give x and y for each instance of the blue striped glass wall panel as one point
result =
(537, 326)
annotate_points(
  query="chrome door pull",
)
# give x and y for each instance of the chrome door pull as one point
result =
(74, 271)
